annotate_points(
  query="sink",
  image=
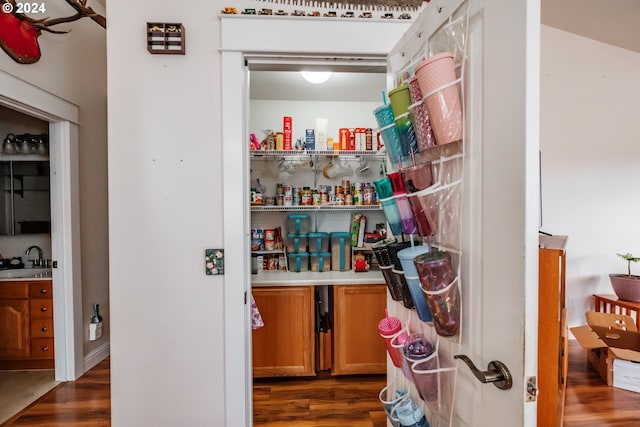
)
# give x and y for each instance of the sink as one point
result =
(25, 273)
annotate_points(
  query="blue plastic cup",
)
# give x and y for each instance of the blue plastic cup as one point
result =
(393, 216)
(406, 257)
(384, 115)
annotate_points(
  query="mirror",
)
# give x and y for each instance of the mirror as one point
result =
(25, 205)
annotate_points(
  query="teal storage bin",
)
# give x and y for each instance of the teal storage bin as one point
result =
(299, 262)
(341, 251)
(297, 242)
(298, 223)
(320, 261)
(318, 242)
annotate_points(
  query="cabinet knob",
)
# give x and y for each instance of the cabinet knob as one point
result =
(43, 291)
(44, 308)
(45, 348)
(44, 329)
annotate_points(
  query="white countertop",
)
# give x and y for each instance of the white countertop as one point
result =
(309, 278)
(25, 274)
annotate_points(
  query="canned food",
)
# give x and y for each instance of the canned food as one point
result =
(367, 197)
(288, 200)
(269, 234)
(269, 245)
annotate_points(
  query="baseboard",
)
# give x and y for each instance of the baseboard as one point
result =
(96, 356)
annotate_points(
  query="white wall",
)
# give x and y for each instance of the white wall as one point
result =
(267, 114)
(590, 145)
(165, 210)
(73, 67)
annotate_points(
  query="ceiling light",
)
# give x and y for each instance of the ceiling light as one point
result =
(316, 77)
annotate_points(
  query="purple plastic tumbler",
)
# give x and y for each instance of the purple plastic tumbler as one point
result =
(400, 195)
(417, 348)
(438, 283)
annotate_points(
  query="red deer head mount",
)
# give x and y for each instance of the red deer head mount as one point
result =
(19, 33)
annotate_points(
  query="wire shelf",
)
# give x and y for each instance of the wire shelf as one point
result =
(270, 154)
(347, 208)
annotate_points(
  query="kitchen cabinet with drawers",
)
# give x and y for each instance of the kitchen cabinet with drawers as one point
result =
(26, 324)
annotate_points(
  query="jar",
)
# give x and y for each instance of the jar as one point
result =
(307, 199)
(368, 197)
(357, 197)
(346, 186)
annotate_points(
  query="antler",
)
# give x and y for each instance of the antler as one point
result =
(80, 7)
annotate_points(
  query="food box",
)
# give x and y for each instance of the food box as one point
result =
(612, 342)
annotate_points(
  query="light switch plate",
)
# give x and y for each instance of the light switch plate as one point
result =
(214, 261)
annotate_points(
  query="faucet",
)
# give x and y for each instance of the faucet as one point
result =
(38, 261)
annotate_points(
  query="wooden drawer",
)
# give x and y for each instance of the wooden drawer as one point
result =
(42, 328)
(41, 308)
(14, 290)
(41, 289)
(42, 348)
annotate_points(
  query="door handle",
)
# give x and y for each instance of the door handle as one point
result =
(496, 373)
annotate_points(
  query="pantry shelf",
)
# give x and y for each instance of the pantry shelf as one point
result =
(346, 208)
(277, 154)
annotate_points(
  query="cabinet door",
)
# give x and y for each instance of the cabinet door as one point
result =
(14, 328)
(552, 337)
(357, 346)
(284, 346)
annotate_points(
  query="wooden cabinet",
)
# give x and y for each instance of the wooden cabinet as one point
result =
(285, 345)
(357, 346)
(26, 324)
(552, 331)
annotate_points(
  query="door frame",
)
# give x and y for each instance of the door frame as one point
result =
(271, 38)
(62, 116)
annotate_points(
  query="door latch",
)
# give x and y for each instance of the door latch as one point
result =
(532, 389)
(496, 373)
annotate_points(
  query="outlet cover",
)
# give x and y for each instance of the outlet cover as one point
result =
(214, 261)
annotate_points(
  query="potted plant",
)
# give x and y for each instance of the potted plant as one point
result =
(626, 286)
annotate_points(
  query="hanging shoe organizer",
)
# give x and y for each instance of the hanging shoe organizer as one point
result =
(422, 125)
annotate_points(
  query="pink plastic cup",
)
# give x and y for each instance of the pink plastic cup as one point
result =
(442, 97)
(388, 328)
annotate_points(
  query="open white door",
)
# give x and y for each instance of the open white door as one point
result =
(501, 189)
(500, 203)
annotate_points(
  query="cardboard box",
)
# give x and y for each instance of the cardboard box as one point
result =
(612, 342)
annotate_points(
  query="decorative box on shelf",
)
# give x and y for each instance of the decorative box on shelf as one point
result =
(165, 38)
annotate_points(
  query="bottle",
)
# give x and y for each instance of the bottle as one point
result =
(409, 414)
(96, 318)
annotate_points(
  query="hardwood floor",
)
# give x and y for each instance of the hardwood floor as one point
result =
(82, 403)
(590, 402)
(326, 401)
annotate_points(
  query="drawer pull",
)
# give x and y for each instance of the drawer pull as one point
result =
(43, 309)
(43, 291)
(44, 329)
(45, 348)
